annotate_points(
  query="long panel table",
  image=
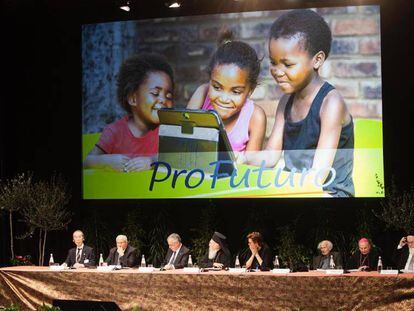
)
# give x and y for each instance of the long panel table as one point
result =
(179, 290)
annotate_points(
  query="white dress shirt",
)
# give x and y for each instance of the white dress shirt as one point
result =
(409, 265)
(174, 256)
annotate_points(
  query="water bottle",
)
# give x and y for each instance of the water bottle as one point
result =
(276, 263)
(379, 265)
(237, 263)
(331, 263)
(101, 261)
(190, 262)
(51, 261)
(143, 264)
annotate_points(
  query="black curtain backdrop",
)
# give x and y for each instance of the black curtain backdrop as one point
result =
(40, 118)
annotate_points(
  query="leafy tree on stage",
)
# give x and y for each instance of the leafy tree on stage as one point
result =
(46, 210)
(157, 236)
(98, 227)
(14, 195)
(397, 209)
(134, 227)
(204, 230)
(292, 254)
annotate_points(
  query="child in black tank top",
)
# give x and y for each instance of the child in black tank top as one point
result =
(312, 125)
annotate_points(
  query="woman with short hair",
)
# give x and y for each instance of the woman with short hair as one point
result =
(260, 257)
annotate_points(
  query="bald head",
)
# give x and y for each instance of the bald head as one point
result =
(364, 246)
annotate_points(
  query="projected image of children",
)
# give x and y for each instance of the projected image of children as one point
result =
(233, 70)
(312, 120)
(145, 85)
(289, 100)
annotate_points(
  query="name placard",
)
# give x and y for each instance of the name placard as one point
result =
(237, 270)
(334, 271)
(281, 271)
(105, 268)
(389, 272)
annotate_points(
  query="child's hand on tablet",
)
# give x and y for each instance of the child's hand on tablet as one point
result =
(138, 164)
(116, 161)
(240, 157)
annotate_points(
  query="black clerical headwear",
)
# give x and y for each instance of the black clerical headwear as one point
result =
(218, 238)
(221, 240)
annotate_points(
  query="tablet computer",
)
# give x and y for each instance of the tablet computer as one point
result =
(190, 139)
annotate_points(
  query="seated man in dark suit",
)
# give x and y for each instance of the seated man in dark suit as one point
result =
(366, 259)
(218, 254)
(82, 255)
(177, 254)
(404, 256)
(123, 254)
(322, 261)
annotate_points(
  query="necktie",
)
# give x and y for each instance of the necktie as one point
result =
(172, 258)
(78, 255)
(118, 261)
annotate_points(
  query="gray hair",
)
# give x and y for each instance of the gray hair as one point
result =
(174, 236)
(122, 237)
(330, 245)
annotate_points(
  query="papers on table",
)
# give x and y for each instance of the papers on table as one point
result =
(211, 269)
(237, 270)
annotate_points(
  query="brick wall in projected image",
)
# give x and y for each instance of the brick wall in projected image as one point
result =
(353, 66)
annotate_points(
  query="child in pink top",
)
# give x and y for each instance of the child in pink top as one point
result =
(233, 71)
(145, 85)
(239, 134)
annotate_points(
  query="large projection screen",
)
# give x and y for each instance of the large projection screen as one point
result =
(353, 68)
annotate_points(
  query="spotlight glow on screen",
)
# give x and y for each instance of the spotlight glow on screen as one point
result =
(169, 112)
